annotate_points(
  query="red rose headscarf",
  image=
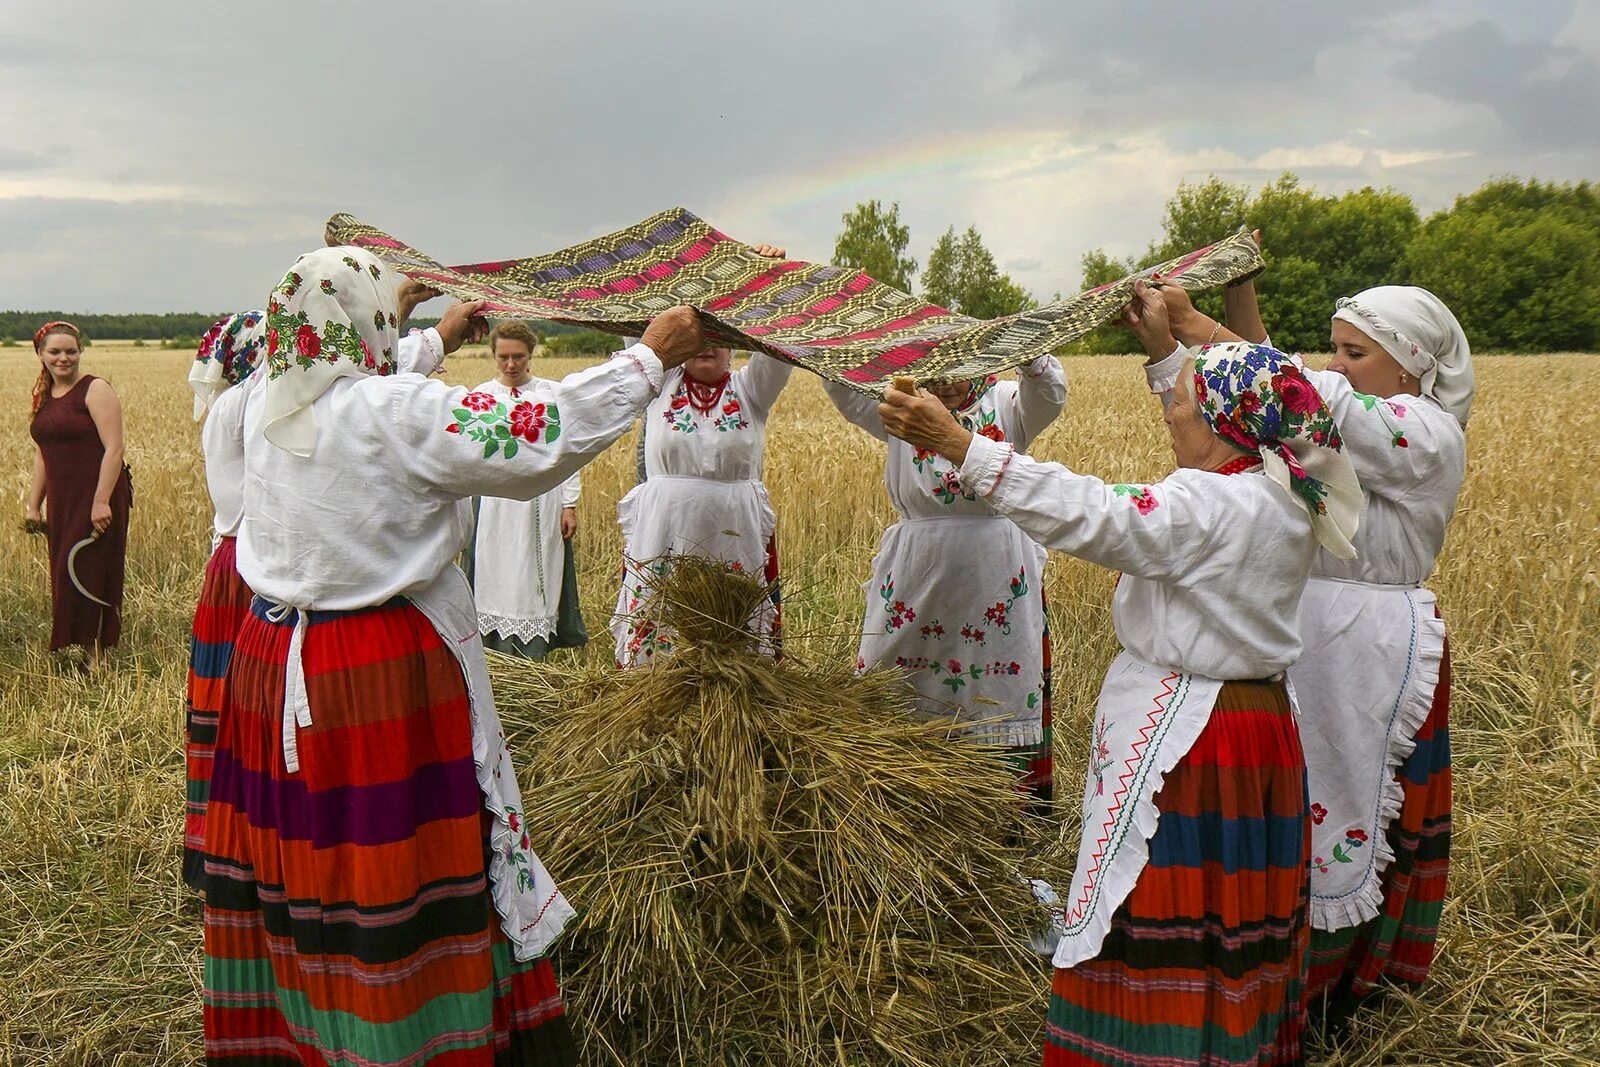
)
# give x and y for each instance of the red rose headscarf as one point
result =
(228, 354)
(333, 316)
(1257, 399)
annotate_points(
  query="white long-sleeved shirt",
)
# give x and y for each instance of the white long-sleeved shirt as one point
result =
(1212, 565)
(222, 434)
(375, 512)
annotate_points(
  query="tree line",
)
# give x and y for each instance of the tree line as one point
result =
(1518, 261)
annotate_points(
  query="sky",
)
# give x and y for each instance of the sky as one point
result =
(165, 156)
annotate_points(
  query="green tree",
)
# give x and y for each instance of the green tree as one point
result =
(875, 240)
(1519, 264)
(961, 275)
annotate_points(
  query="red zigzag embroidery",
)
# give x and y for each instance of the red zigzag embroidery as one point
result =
(1075, 913)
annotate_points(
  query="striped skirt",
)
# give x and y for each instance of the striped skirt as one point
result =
(348, 918)
(224, 603)
(1205, 960)
(1398, 945)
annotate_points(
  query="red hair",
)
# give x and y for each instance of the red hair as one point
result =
(42, 385)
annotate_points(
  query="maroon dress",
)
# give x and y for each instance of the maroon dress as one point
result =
(67, 438)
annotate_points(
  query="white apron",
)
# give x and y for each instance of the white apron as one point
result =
(1389, 637)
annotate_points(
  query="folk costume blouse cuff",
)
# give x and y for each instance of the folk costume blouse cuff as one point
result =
(985, 465)
(647, 361)
(428, 355)
(1163, 374)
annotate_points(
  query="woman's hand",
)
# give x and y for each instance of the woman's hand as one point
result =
(411, 293)
(769, 251)
(462, 323)
(923, 421)
(1147, 316)
(569, 523)
(100, 516)
(675, 336)
(33, 521)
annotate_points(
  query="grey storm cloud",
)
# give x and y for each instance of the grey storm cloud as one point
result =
(164, 156)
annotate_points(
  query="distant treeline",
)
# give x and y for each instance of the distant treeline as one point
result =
(183, 329)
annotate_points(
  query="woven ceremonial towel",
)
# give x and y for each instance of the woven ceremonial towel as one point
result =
(834, 321)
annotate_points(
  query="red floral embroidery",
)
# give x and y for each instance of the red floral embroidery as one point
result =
(307, 343)
(528, 421)
(479, 402)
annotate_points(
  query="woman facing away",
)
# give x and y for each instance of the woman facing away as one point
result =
(705, 440)
(1373, 685)
(81, 488)
(956, 594)
(222, 377)
(1186, 923)
(371, 892)
(524, 576)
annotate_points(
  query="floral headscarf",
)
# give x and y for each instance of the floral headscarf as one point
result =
(1257, 400)
(1420, 332)
(333, 316)
(229, 351)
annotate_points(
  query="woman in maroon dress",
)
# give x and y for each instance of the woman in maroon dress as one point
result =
(84, 487)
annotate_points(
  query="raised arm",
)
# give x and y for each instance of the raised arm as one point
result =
(1040, 397)
(106, 410)
(762, 379)
(1240, 309)
(1159, 531)
(858, 408)
(466, 443)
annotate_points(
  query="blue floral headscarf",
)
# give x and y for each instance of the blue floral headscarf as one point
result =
(228, 353)
(1258, 400)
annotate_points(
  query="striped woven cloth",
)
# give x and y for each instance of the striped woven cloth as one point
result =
(834, 321)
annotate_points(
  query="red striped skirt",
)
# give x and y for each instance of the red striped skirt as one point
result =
(347, 917)
(224, 603)
(1398, 945)
(1205, 960)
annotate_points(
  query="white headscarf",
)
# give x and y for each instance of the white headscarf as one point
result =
(333, 316)
(1416, 328)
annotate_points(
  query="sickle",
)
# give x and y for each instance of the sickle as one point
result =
(72, 571)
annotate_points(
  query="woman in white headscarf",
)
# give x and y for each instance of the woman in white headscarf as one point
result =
(372, 895)
(1374, 683)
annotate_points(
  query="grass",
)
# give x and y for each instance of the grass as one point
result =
(100, 942)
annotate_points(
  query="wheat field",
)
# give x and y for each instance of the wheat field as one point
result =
(100, 941)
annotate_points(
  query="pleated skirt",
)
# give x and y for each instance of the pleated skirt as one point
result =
(1205, 960)
(224, 604)
(348, 918)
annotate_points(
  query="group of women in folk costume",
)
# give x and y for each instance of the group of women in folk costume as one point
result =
(371, 889)
(81, 494)
(1210, 907)
(371, 893)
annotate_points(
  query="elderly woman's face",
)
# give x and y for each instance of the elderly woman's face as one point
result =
(952, 394)
(1194, 444)
(710, 365)
(1364, 362)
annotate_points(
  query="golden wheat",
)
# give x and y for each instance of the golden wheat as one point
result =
(100, 942)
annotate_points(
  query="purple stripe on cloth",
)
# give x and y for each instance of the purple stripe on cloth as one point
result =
(358, 815)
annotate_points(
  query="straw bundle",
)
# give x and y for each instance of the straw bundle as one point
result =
(775, 863)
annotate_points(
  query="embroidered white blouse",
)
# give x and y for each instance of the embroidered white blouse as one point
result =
(518, 552)
(703, 494)
(955, 597)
